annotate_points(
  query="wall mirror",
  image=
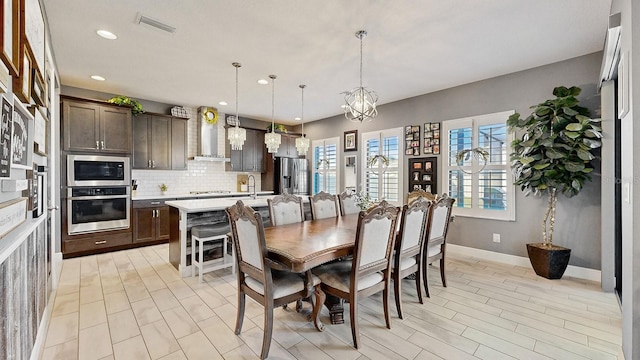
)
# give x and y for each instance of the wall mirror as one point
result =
(350, 173)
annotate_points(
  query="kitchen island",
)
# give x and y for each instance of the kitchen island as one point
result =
(184, 214)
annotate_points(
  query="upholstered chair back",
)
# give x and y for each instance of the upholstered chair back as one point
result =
(248, 238)
(414, 223)
(323, 205)
(440, 217)
(375, 237)
(348, 204)
(285, 209)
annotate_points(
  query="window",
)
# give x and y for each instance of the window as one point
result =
(482, 188)
(325, 165)
(382, 180)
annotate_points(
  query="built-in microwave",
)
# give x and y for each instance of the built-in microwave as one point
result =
(98, 170)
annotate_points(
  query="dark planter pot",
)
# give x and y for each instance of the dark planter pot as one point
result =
(549, 262)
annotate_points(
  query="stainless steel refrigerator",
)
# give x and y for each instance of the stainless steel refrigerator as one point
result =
(291, 176)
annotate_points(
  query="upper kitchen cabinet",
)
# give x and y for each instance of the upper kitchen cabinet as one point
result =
(251, 157)
(159, 142)
(94, 127)
(287, 146)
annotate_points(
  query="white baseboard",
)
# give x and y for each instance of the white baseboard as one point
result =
(38, 346)
(573, 271)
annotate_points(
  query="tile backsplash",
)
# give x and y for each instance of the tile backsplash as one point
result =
(200, 176)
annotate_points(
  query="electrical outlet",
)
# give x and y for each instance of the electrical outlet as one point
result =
(496, 238)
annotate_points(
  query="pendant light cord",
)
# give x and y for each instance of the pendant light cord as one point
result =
(302, 110)
(273, 102)
(237, 65)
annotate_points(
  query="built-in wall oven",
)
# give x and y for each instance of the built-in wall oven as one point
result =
(91, 209)
(98, 193)
(98, 170)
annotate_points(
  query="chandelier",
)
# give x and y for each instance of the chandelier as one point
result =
(360, 102)
(272, 139)
(236, 135)
(302, 143)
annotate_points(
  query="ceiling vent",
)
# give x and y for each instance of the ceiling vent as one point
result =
(142, 19)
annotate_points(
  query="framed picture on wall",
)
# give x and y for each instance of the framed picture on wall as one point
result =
(6, 114)
(351, 140)
(10, 35)
(423, 174)
(21, 147)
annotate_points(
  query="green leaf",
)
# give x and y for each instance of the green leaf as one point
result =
(585, 155)
(555, 154)
(576, 184)
(592, 134)
(574, 127)
(569, 111)
(541, 166)
(571, 134)
(594, 144)
(574, 166)
(526, 160)
(587, 170)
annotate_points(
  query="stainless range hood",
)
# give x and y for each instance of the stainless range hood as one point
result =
(208, 138)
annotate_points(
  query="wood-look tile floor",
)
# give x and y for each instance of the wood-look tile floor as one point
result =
(133, 305)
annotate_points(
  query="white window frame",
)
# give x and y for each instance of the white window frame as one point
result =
(475, 122)
(323, 143)
(399, 132)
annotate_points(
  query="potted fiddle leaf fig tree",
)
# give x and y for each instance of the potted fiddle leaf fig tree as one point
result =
(552, 155)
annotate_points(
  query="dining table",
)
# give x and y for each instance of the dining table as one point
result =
(302, 246)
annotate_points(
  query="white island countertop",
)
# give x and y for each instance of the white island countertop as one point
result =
(201, 205)
(200, 195)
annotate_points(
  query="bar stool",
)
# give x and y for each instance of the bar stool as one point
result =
(202, 234)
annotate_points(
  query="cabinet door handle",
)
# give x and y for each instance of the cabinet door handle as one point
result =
(102, 144)
(101, 242)
(153, 163)
(148, 163)
(155, 203)
(97, 145)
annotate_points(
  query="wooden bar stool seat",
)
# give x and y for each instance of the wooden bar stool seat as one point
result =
(219, 235)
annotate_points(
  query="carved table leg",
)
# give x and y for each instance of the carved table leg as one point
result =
(336, 309)
(319, 298)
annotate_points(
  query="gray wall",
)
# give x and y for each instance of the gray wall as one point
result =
(577, 219)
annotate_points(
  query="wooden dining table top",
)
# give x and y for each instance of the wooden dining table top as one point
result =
(305, 245)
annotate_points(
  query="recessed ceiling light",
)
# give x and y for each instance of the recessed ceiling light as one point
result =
(223, 103)
(107, 34)
(98, 78)
(263, 82)
(297, 119)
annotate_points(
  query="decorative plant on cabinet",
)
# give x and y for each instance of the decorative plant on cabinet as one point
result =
(553, 155)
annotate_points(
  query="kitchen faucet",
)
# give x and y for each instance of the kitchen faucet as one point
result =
(253, 195)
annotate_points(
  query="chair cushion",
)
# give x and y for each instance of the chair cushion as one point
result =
(338, 275)
(434, 250)
(284, 283)
(407, 262)
(205, 231)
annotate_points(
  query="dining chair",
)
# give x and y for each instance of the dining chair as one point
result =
(370, 270)
(264, 280)
(285, 209)
(418, 193)
(407, 258)
(323, 206)
(437, 238)
(348, 204)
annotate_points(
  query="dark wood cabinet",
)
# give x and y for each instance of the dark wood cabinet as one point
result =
(251, 157)
(150, 221)
(97, 128)
(287, 146)
(159, 142)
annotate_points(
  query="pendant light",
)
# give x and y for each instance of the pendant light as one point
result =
(302, 143)
(236, 135)
(272, 139)
(360, 102)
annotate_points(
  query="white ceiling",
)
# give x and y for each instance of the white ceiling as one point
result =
(413, 47)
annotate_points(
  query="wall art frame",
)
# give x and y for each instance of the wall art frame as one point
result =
(6, 125)
(10, 35)
(351, 140)
(21, 136)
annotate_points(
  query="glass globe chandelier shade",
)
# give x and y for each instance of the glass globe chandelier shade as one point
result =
(236, 135)
(360, 102)
(302, 143)
(272, 139)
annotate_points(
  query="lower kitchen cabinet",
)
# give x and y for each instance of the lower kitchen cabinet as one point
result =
(150, 221)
